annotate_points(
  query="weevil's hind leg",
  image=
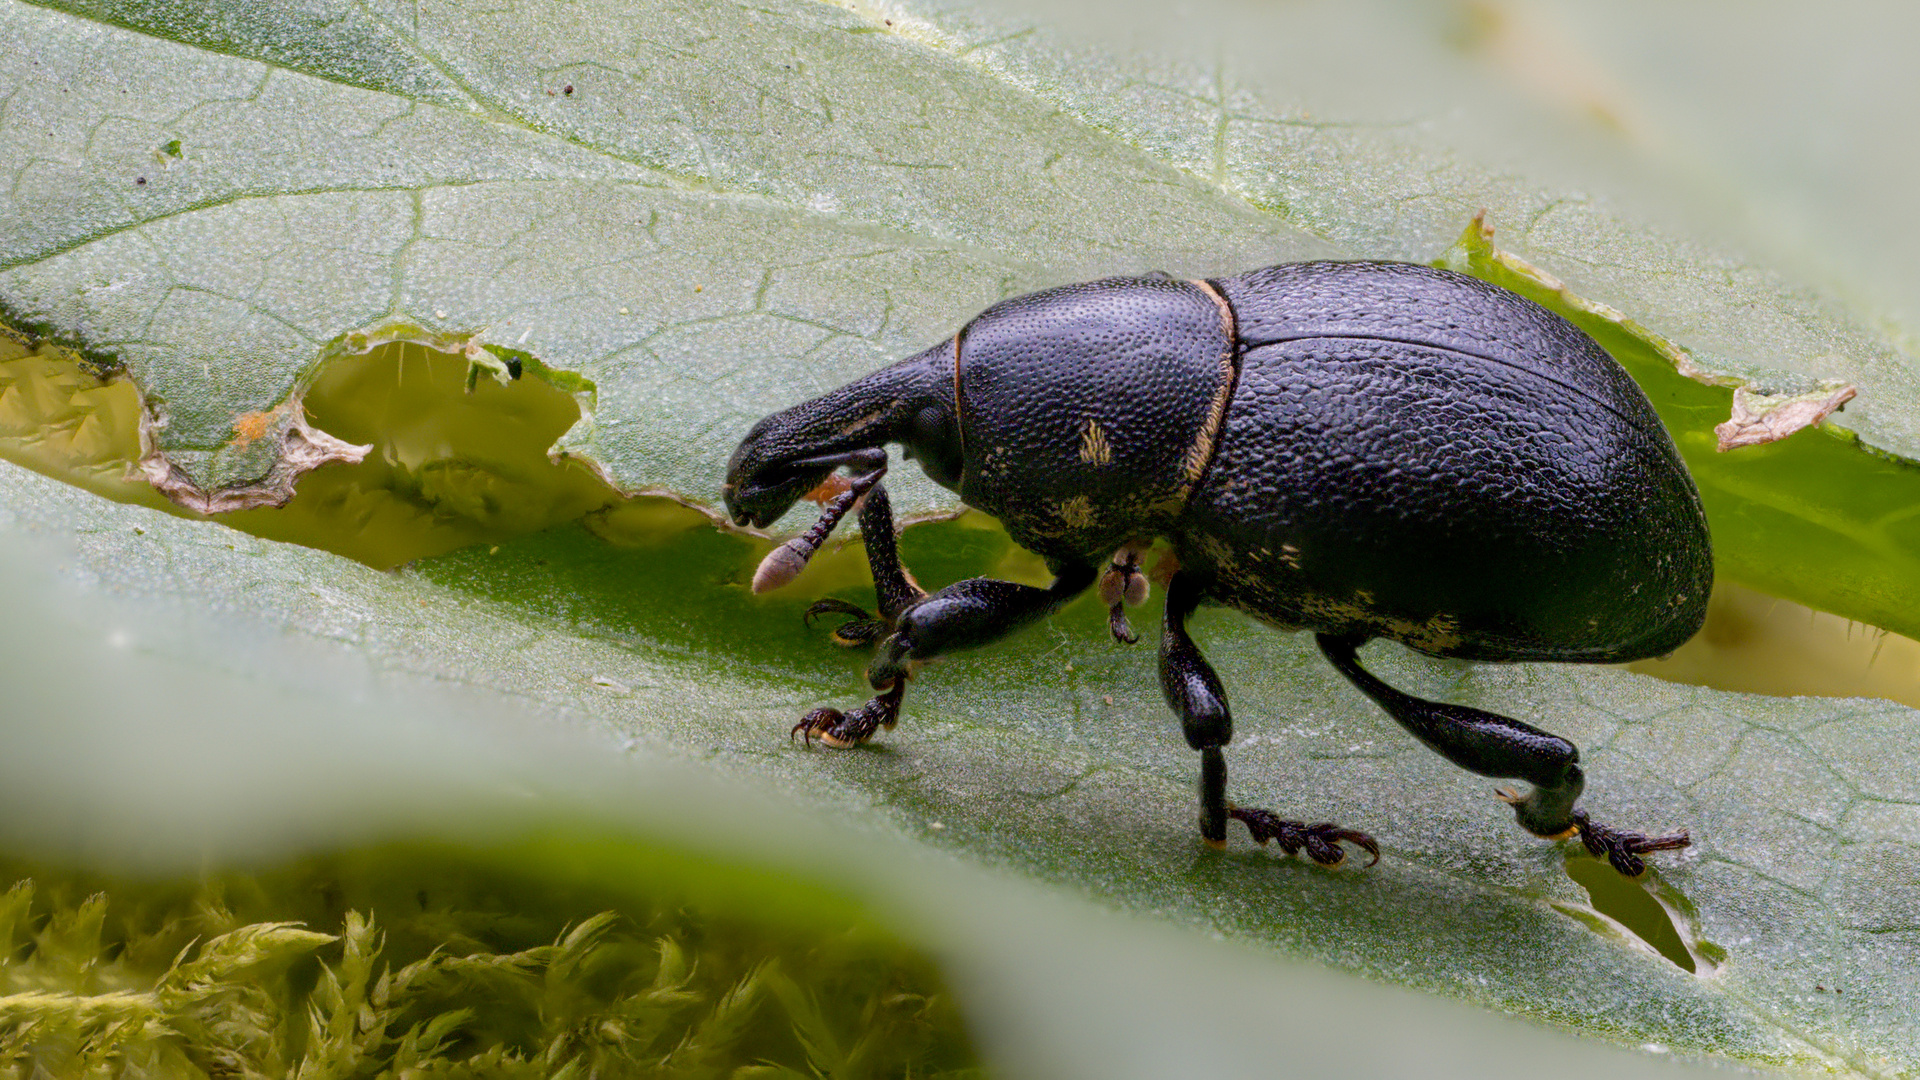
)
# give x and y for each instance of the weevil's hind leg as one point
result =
(964, 615)
(1502, 747)
(1194, 693)
(892, 584)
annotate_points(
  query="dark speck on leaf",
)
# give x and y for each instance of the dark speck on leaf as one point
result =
(140, 181)
(567, 89)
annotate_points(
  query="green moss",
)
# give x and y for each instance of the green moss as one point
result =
(432, 960)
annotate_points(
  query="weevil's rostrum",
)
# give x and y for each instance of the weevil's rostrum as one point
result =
(1359, 449)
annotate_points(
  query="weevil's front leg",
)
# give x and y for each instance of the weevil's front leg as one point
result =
(840, 730)
(1193, 691)
(964, 615)
(892, 584)
(785, 562)
(1502, 747)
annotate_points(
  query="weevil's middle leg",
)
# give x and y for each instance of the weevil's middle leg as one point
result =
(964, 615)
(1500, 746)
(1121, 587)
(1194, 692)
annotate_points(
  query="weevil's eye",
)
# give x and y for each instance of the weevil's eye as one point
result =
(933, 439)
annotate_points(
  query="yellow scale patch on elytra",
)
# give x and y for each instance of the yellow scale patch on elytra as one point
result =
(1077, 512)
(1094, 448)
(1437, 633)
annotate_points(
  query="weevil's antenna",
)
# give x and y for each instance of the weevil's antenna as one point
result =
(785, 562)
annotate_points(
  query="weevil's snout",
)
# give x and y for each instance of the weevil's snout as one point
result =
(779, 461)
(740, 517)
(761, 486)
(760, 501)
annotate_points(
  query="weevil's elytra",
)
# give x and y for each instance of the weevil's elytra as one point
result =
(1359, 449)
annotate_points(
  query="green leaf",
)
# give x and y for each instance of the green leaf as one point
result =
(686, 217)
(685, 220)
(726, 212)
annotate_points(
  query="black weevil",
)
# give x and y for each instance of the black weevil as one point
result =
(1360, 449)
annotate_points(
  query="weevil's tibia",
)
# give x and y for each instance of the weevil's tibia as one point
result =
(892, 584)
(785, 562)
(1500, 746)
(1193, 691)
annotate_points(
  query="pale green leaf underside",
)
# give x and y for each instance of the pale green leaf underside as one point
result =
(736, 207)
(728, 212)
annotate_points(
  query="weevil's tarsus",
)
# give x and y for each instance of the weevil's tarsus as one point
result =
(1193, 691)
(1499, 746)
(1320, 840)
(861, 629)
(1623, 849)
(845, 730)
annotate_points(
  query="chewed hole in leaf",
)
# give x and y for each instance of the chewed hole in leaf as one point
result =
(460, 457)
(1632, 907)
(457, 460)
(1760, 644)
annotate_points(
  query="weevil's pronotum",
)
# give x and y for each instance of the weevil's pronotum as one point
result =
(1359, 449)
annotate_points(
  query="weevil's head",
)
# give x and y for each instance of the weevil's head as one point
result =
(910, 402)
(762, 480)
